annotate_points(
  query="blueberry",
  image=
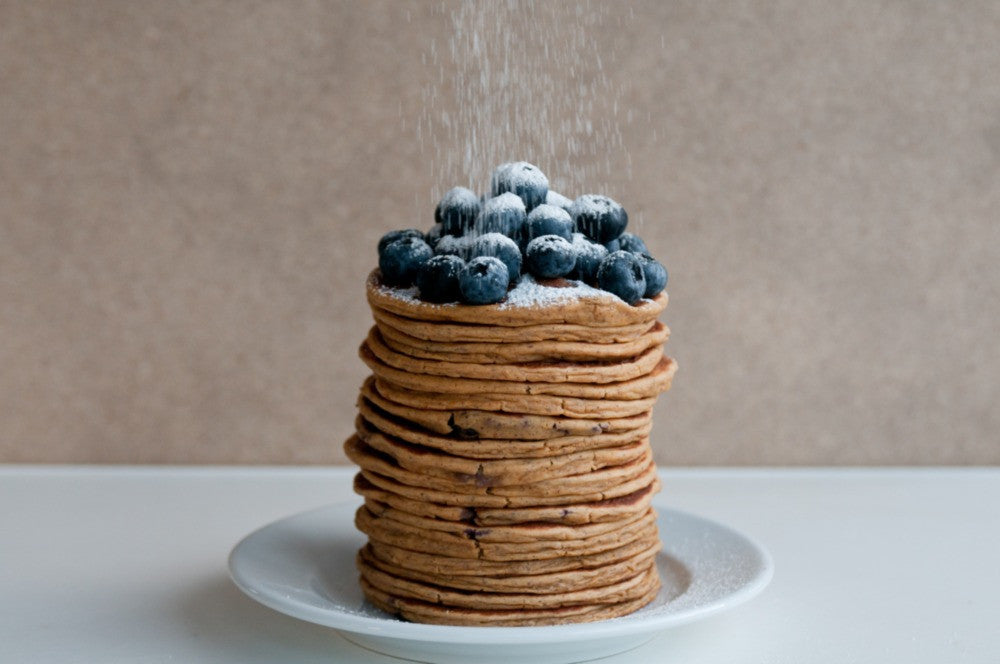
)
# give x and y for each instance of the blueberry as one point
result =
(457, 211)
(523, 179)
(498, 173)
(655, 274)
(588, 256)
(432, 236)
(502, 247)
(547, 220)
(437, 279)
(504, 214)
(613, 246)
(550, 256)
(633, 243)
(401, 259)
(392, 236)
(621, 273)
(557, 199)
(454, 246)
(599, 217)
(483, 280)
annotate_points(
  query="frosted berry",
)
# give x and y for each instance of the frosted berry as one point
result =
(502, 247)
(557, 199)
(457, 211)
(392, 236)
(549, 256)
(495, 179)
(655, 274)
(523, 179)
(547, 220)
(483, 280)
(401, 259)
(437, 279)
(504, 214)
(454, 246)
(631, 242)
(621, 273)
(588, 257)
(599, 218)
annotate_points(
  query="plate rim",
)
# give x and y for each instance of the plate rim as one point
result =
(527, 635)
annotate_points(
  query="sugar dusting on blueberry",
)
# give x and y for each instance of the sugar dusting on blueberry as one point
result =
(547, 220)
(457, 211)
(589, 255)
(500, 246)
(392, 236)
(437, 279)
(454, 246)
(621, 273)
(523, 179)
(598, 217)
(483, 280)
(558, 200)
(550, 256)
(400, 260)
(502, 214)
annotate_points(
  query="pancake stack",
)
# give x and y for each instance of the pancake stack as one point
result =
(504, 454)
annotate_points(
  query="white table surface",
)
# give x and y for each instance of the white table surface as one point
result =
(128, 564)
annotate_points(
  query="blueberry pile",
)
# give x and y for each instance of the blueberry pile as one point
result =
(480, 246)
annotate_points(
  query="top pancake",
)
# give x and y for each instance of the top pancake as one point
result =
(470, 332)
(505, 352)
(596, 309)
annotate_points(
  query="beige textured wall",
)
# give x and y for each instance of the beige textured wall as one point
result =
(190, 195)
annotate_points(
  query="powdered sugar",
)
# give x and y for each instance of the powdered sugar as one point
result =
(550, 211)
(527, 294)
(594, 205)
(521, 173)
(411, 294)
(506, 202)
(530, 294)
(558, 200)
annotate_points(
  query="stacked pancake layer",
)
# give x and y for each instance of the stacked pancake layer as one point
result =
(505, 458)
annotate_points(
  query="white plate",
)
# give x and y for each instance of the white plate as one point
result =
(303, 566)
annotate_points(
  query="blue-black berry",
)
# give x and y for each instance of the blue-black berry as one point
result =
(392, 236)
(523, 179)
(401, 259)
(483, 280)
(502, 247)
(588, 257)
(631, 242)
(437, 279)
(547, 220)
(504, 214)
(457, 211)
(655, 274)
(621, 273)
(432, 236)
(550, 256)
(599, 217)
